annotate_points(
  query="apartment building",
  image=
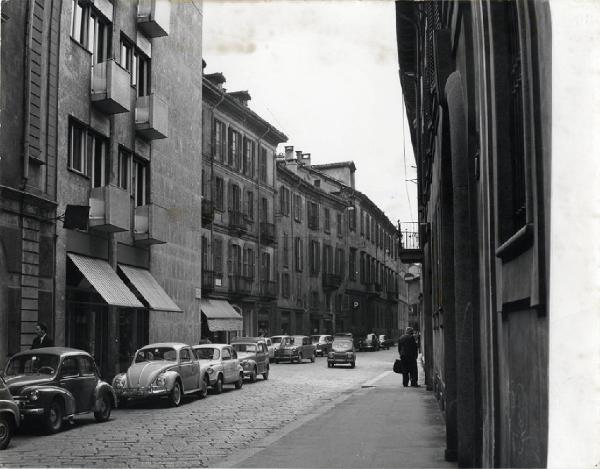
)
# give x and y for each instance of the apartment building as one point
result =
(338, 264)
(239, 244)
(109, 151)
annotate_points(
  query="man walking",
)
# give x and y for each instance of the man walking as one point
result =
(408, 350)
(42, 339)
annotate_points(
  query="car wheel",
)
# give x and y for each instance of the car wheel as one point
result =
(312, 358)
(218, 387)
(54, 417)
(5, 431)
(203, 389)
(104, 406)
(265, 375)
(175, 395)
(253, 376)
(240, 382)
(352, 365)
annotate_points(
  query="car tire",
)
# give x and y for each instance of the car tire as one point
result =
(203, 389)
(240, 382)
(312, 358)
(352, 365)
(103, 414)
(54, 417)
(5, 431)
(265, 375)
(253, 376)
(218, 387)
(175, 396)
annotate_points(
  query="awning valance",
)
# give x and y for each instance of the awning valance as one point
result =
(105, 281)
(148, 289)
(221, 315)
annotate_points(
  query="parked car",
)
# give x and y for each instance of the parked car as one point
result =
(370, 342)
(253, 355)
(385, 342)
(270, 347)
(166, 369)
(297, 347)
(342, 352)
(10, 417)
(322, 344)
(220, 365)
(54, 384)
(276, 341)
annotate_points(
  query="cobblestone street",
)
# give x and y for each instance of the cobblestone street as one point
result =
(199, 432)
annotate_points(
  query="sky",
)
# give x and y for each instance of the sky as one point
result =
(326, 74)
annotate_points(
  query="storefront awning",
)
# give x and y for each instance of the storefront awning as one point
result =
(221, 315)
(146, 287)
(105, 281)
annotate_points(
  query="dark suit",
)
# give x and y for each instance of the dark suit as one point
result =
(408, 350)
(44, 341)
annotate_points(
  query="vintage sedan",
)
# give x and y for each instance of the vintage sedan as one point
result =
(385, 342)
(295, 348)
(322, 343)
(168, 369)
(342, 352)
(253, 355)
(220, 365)
(10, 417)
(54, 384)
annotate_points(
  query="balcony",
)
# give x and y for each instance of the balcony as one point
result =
(267, 232)
(237, 221)
(153, 17)
(268, 289)
(151, 117)
(110, 89)
(411, 249)
(110, 209)
(208, 280)
(150, 225)
(240, 285)
(331, 281)
(208, 212)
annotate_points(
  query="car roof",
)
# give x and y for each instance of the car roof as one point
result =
(61, 351)
(283, 335)
(299, 335)
(175, 345)
(248, 339)
(219, 346)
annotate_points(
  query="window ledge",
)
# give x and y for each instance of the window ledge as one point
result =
(518, 243)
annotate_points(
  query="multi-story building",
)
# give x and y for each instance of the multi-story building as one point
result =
(338, 263)
(109, 144)
(239, 245)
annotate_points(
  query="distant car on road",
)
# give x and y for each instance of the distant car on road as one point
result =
(276, 342)
(295, 348)
(220, 364)
(54, 384)
(166, 369)
(385, 342)
(342, 352)
(10, 416)
(253, 355)
(322, 344)
(370, 342)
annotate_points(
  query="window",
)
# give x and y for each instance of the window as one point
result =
(249, 156)
(297, 207)
(327, 259)
(298, 254)
(368, 226)
(218, 256)
(363, 277)
(362, 223)
(88, 154)
(339, 262)
(99, 37)
(286, 251)
(143, 74)
(266, 266)
(312, 212)
(141, 187)
(314, 257)
(352, 264)
(219, 192)
(235, 259)
(79, 17)
(340, 226)
(317, 182)
(248, 261)
(235, 198)
(285, 285)
(326, 220)
(299, 290)
(262, 165)
(234, 156)
(351, 219)
(127, 60)
(77, 147)
(284, 201)
(219, 141)
(124, 169)
(250, 205)
(204, 253)
(264, 209)
(314, 299)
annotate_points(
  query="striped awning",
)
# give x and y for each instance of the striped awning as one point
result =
(220, 315)
(148, 290)
(105, 281)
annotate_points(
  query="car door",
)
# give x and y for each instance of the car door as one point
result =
(228, 362)
(88, 380)
(186, 369)
(261, 357)
(70, 380)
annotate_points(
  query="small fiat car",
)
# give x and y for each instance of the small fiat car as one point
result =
(220, 365)
(295, 348)
(253, 355)
(342, 352)
(168, 369)
(54, 384)
(10, 417)
(322, 344)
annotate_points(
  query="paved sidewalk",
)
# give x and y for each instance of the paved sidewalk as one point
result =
(382, 424)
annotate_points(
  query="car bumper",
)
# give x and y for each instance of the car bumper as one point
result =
(341, 359)
(140, 393)
(287, 355)
(31, 411)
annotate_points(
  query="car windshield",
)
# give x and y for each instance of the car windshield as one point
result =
(276, 340)
(341, 345)
(207, 353)
(42, 363)
(287, 341)
(244, 347)
(155, 354)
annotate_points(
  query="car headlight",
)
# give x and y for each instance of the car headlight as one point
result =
(34, 395)
(210, 370)
(330, 355)
(160, 380)
(119, 381)
(350, 354)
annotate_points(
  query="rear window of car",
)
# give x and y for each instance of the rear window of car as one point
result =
(276, 340)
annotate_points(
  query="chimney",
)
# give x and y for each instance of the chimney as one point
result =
(241, 96)
(289, 153)
(305, 158)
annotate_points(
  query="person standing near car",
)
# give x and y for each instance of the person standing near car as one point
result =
(42, 339)
(408, 350)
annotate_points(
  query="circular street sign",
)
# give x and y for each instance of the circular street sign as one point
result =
(356, 304)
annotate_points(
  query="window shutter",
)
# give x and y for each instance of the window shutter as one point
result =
(229, 258)
(230, 196)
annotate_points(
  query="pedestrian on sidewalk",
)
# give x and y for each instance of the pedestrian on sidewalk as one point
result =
(409, 351)
(42, 338)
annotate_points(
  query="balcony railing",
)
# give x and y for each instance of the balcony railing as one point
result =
(151, 117)
(110, 88)
(237, 221)
(153, 17)
(110, 209)
(267, 232)
(208, 212)
(208, 280)
(331, 280)
(411, 249)
(268, 289)
(150, 225)
(240, 285)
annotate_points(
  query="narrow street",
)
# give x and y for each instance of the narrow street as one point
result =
(227, 429)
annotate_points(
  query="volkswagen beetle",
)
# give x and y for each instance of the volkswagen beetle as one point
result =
(167, 369)
(54, 384)
(220, 365)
